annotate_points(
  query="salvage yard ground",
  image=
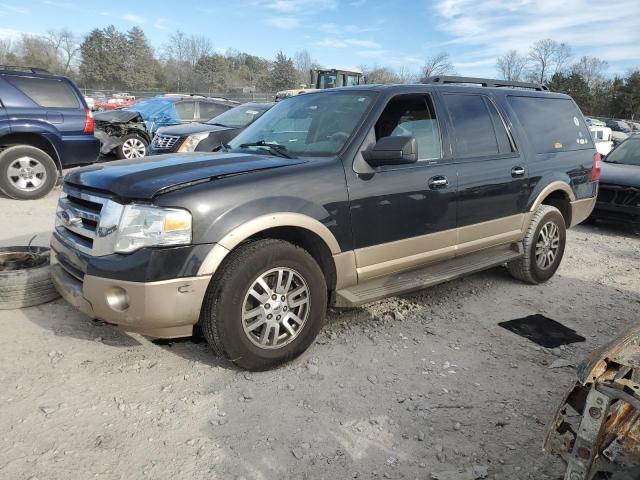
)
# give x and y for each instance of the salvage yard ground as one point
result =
(410, 387)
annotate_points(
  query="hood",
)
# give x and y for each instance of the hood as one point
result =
(620, 174)
(144, 178)
(190, 128)
(117, 116)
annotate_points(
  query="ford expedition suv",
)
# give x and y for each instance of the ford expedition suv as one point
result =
(340, 197)
(45, 126)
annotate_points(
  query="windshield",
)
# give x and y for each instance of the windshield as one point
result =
(312, 124)
(240, 116)
(627, 153)
(156, 109)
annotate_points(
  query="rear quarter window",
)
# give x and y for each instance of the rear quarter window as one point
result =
(552, 124)
(46, 92)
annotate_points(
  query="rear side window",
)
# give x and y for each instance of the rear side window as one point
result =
(478, 128)
(552, 124)
(46, 92)
(186, 110)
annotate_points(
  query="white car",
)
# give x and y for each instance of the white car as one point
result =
(91, 103)
(602, 139)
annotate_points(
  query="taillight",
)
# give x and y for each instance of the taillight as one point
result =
(596, 167)
(89, 124)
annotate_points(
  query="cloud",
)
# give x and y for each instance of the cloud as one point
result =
(336, 29)
(133, 18)
(290, 6)
(491, 27)
(13, 9)
(348, 42)
(12, 34)
(161, 23)
(54, 3)
(284, 23)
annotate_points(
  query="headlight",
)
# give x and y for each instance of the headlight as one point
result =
(192, 141)
(146, 226)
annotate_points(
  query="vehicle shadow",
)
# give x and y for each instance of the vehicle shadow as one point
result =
(609, 228)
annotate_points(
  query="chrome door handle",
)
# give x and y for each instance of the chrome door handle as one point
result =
(438, 182)
(517, 172)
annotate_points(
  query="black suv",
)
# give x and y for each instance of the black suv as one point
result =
(340, 197)
(45, 126)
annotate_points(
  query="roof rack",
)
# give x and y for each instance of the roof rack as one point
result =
(486, 82)
(28, 69)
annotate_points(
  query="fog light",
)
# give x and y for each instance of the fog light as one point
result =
(117, 298)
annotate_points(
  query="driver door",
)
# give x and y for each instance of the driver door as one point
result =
(404, 216)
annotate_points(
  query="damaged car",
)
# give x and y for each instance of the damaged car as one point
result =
(128, 132)
(596, 430)
(209, 136)
(619, 194)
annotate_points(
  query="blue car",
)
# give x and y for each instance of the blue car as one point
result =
(45, 126)
(127, 132)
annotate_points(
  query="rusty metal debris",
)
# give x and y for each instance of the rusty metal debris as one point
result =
(596, 430)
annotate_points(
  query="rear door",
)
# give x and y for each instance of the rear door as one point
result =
(208, 110)
(492, 175)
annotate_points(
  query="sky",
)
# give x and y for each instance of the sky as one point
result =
(351, 33)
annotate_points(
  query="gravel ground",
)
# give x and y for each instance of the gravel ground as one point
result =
(418, 386)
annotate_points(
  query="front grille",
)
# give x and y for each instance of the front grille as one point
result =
(164, 142)
(78, 217)
(619, 195)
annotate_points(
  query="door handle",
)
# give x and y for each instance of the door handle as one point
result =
(438, 182)
(517, 172)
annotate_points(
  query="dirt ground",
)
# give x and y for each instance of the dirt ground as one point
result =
(409, 387)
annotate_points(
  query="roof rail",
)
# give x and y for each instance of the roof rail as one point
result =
(486, 82)
(28, 69)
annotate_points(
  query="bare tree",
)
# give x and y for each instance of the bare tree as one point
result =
(377, 74)
(304, 63)
(5, 50)
(511, 66)
(439, 64)
(547, 58)
(66, 47)
(591, 69)
(406, 75)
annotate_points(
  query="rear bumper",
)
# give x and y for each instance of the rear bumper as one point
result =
(79, 150)
(581, 209)
(164, 309)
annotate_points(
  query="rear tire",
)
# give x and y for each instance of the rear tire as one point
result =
(544, 245)
(291, 309)
(26, 173)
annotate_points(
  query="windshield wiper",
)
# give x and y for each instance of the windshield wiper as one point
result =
(274, 148)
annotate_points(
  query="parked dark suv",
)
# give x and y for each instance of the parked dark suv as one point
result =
(45, 126)
(340, 197)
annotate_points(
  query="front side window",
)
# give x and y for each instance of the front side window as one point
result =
(478, 128)
(627, 153)
(311, 124)
(46, 92)
(412, 116)
(208, 110)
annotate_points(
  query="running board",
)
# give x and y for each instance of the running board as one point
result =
(378, 288)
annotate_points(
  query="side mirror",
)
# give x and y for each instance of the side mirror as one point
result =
(392, 151)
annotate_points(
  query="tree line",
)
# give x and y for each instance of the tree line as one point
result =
(107, 58)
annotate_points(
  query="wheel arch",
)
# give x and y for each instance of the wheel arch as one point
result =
(32, 139)
(301, 230)
(558, 194)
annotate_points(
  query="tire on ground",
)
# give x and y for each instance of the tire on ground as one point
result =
(131, 136)
(526, 267)
(26, 287)
(221, 316)
(8, 184)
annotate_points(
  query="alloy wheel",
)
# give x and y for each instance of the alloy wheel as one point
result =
(275, 308)
(26, 174)
(134, 148)
(547, 245)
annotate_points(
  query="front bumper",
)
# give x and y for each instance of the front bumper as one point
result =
(164, 309)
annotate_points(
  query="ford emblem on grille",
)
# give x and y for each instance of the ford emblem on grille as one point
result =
(68, 219)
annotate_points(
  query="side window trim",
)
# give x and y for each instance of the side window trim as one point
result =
(512, 141)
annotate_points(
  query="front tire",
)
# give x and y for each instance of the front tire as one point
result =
(265, 305)
(133, 146)
(26, 173)
(543, 244)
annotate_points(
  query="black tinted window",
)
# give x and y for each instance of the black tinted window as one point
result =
(186, 110)
(552, 124)
(46, 92)
(208, 110)
(474, 128)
